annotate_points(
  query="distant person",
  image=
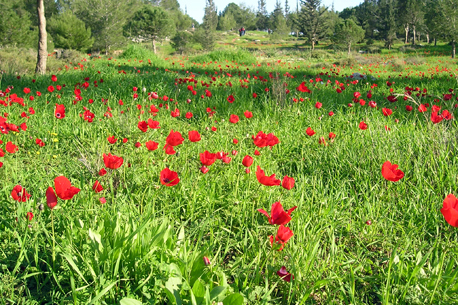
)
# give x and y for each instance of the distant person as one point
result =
(243, 31)
(240, 32)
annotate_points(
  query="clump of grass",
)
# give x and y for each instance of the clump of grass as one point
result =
(138, 52)
(229, 55)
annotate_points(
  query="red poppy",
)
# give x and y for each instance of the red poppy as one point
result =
(11, 148)
(207, 158)
(436, 118)
(174, 138)
(64, 188)
(310, 132)
(266, 180)
(332, 135)
(422, 108)
(112, 139)
(59, 112)
(391, 172)
(409, 108)
(169, 149)
(51, 199)
(102, 172)
(234, 118)
(188, 115)
(226, 159)
(214, 128)
(356, 95)
(303, 88)
(204, 169)
(20, 194)
(26, 90)
(278, 216)
(193, 136)
(97, 187)
(235, 141)
(143, 126)
(282, 237)
(248, 114)
(284, 274)
(153, 124)
(169, 178)
(54, 78)
(387, 111)
(29, 216)
(263, 140)
(112, 161)
(318, 105)
(288, 182)
(230, 99)
(247, 161)
(39, 142)
(151, 145)
(362, 126)
(450, 210)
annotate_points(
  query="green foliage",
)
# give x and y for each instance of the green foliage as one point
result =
(138, 52)
(206, 35)
(149, 23)
(312, 21)
(262, 18)
(182, 41)
(348, 32)
(15, 25)
(239, 56)
(69, 32)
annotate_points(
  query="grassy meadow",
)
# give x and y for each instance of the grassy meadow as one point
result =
(138, 235)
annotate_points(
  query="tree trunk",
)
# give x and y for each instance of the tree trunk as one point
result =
(453, 48)
(42, 39)
(427, 38)
(413, 36)
(435, 41)
(154, 45)
(313, 44)
(406, 28)
(349, 49)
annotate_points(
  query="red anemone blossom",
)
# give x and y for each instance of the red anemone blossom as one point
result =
(20, 194)
(169, 178)
(11, 148)
(143, 126)
(288, 182)
(266, 180)
(51, 199)
(97, 187)
(151, 145)
(391, 172)
(234, 118)
(278, 216)
(284, 274)
(247, 161)
(112, 161)
(450, 210)
(362, 125)
(59, 112)
(207, 158)
(310, 132)
(282, 237)
(193, 136)
(230, 99)
(64, 188)
(174, 138)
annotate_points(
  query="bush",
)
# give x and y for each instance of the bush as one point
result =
(181, 42)
(237, 56)
(69, 32)
(137, 51)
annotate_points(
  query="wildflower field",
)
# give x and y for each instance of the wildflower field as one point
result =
(231, 179)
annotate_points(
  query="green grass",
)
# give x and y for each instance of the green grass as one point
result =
(147, 242)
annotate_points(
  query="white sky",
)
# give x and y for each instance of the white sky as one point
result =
(196, 7)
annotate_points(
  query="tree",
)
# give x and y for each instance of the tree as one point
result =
(412, 16)
(278, 20)
(206, 35)
(262, 19)
(388, 24)
(312, 22)
(227, 22)
(105, 18)
(348, 32)
(69, 32)
(149, 23)
(14, 24)
(42, 39)
(449, 21)
(433, 20)
(181, 41)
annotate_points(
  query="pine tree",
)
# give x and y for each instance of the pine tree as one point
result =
(69, 32)
(312, 22)
(448, 18)
(278, 20)
(208, 37)
(388, 24)
(412, 16)
(14, 24)
(262, 22)
(348, 33)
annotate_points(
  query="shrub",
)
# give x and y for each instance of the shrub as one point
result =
(230, 55)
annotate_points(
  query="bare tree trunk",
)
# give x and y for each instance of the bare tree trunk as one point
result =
(313, 44)
(427, 38)
(154, 45)
(406, 28)
(349, 49)
(435, 41)
(42, 39)
(453, 48)
(413, 36)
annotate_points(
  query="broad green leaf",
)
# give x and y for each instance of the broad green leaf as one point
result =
(129, 301)
(233, 299)
(217, 292)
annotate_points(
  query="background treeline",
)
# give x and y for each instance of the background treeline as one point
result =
(96, 25)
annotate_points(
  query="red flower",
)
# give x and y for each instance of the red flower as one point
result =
(175, 113)
(284, 274)
(40, 142)
(51, 199)
(97, 187)
(234, 118)
(303, 88)
(188, 115)
(143, 126)
(332, 135)
(387, 111)
(450, 210)
(248, 114)
(112, 139)
(230, 99)
(422, 108)
(169, 178)
(29, 216)
(193, 136)
(247, 161)
(391, 172)
(207, 158)
(278, 216)
(446, 115)
(288, 182)
(263, 140)
(235, 141)
(214, 128)
(64, 188)
(435, 118)
(362, 126)
(54, 78)
(310, 132)
(266, 180)
(169, 149)
(356, 95)
(151, 145)
(102, 172)
(59, 112)
(112, 161)
(26, 90)
(409, 108)
(318, 105)
(204, 169)
(20, 194)
(11, 148)
(153, 124)
(282, 237)
(174, 138)
(256, 152)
